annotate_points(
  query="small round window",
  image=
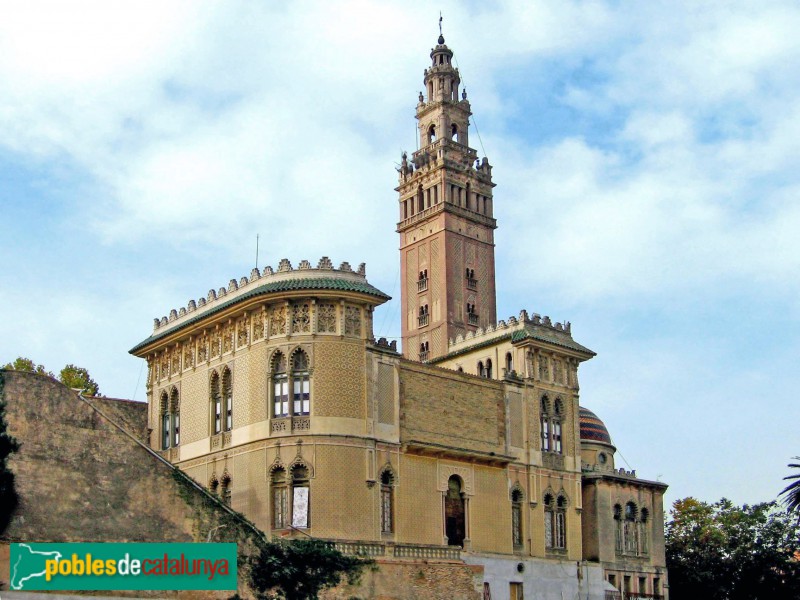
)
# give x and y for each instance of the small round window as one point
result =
(602, 458)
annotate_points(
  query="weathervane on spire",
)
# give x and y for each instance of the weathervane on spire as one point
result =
(440, 22)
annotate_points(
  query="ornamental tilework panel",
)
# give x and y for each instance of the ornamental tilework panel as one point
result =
(202, 349)
(242, 332)
(490, 510)
(326, 318)
(418, 501)
(385, 391)
(301, 318)
(338, 380)
(195, 406)
(227, 339)
(175, 368)
(215, 344)
(352, 320)
(339, 473)
(277, 320)
(258, 325)
(188, 355)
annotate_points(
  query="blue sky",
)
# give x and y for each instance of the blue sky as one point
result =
(645, 156)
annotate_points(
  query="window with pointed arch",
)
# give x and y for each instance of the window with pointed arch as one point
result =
(280, 499)
(280, 386)
(227, 399)
(175, 416)
(516, 518)
(225, 488)
(301, 502)
(387, 501)
(301, 384)
(509, 363)
(213, 485)
(629, 529)
(555, 525)
(551, 425)
(165, 420)
(644, 523)
(618, 545)
(216, 403)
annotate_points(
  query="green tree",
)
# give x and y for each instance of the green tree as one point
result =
(28, 366)
(791, 494)
(78, 378)
(8, 445)
(300, 569)
(725, 552)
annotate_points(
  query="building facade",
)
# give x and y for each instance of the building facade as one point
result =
(469, 447)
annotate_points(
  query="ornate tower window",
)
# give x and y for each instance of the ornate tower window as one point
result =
(175, 416)
(472, 283)
(629, 532)
(422, 282)
(280, 386)
(423, 315)
(644, 524)
(618, 528)
(216, 403)
(300, 497)
(165, 421)
(387, 501)
(545, 421)
(280, 499)
(226, 485)
(424, 349)
(227, 397)
(555, 529)
(300, 384)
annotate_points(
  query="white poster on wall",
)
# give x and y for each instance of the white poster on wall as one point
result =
(300, 507)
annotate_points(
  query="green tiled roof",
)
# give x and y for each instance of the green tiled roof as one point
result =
(310, 283)
(545, 334)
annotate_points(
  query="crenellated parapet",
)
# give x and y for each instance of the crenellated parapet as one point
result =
(323, 272)
(517, 326)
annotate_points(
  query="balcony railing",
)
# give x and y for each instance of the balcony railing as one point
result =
(397, 550)
(423, 355)
(472, 318)
(422, 285)
(423, 320)
(472, 283)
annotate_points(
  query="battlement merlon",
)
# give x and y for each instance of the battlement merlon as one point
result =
(535, 327)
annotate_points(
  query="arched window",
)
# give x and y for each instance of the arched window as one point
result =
(545, 420)
(455, 512)
(431, 134)
(630, 530)
(280, 499)
(488, 368)
(551, 425)
(555, 524)
(165, 421)
(216, 402)
(300, 497)
(644, 524)
(556, 426)
(175, 414)
(213, 485)
(387, 501)
(509, 363)
(301, 384)
(226, 488)
(280, 386)
(227, 398)
(481, 369)
(454, 132)
(516, 518)
(618, 528)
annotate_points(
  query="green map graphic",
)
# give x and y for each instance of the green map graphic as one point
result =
(28, 564)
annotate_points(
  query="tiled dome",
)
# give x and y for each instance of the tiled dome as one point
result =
(592, 428)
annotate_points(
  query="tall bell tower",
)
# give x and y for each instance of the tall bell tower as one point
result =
(446, 226)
